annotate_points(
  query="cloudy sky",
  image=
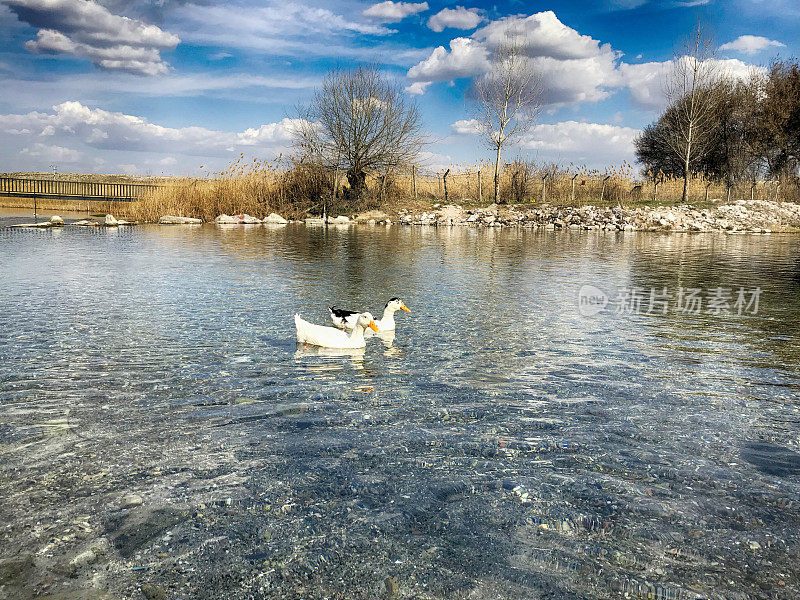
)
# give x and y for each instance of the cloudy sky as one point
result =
(185, 86)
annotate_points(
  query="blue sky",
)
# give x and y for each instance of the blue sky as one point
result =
(171, 86)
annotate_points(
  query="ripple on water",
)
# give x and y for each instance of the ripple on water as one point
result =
(499, 445)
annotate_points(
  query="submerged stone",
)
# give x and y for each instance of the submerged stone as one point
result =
(153, 592)
(132, 531)
(771, 459)
(131, 501)
(14, 570)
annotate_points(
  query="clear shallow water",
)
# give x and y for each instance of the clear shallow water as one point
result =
(501, 446)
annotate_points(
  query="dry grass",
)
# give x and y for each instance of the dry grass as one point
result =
(257, 188)
(522, 183)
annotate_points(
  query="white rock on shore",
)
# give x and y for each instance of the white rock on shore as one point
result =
(173, 220)
(42, 225)
(275, 218)
(243, 219)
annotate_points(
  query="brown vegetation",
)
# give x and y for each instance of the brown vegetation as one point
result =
(296, 189)
(306, 189)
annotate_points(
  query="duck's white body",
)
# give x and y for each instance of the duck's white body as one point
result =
(345, 319)
(329, 337)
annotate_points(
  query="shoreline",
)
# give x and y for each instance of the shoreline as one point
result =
(741, 216)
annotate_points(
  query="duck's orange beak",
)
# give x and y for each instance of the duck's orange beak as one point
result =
(373, 326)
(405, 308)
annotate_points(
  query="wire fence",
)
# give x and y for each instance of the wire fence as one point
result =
(521, 183)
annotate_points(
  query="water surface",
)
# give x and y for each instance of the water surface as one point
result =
(500, 446)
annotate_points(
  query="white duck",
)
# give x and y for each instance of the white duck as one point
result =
(328, 337)
(346, 319)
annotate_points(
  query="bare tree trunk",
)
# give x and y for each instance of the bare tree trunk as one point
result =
(686, 179)
(480, 191)
(497, 177)
(573, 188)
(336, 177)
(414, 180)
(544, 189)
(444, 178)
(603, 189)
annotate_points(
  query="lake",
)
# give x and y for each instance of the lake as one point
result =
(160, 427)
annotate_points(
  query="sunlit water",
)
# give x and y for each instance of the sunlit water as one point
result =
(501, 446)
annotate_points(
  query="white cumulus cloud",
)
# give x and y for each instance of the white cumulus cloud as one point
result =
(89, 30)
(456, 18)
(73, 125)
(53, 153)
(646, 80)
(540, 34)
(590, 144)
(579, 137)
(573, 67)
(466, 58)
(466, 127)
(392, 12)
(751, 44)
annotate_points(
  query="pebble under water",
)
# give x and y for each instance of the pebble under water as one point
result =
(163, 436)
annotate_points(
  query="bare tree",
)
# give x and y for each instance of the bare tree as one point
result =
(775, 131)
(508, 98)
(358, 122)
(753, 132)
(689, 88)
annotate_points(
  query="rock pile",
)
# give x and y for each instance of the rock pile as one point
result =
(742, 216)
(245, 219)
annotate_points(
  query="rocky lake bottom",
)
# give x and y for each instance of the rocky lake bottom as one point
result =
(162, 436)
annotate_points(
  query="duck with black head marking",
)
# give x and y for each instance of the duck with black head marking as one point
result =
(328, 337)
(346, 319)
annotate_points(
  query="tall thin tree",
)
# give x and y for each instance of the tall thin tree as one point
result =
(508, 98)
(689, 89)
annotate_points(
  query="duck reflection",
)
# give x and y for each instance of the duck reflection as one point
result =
(334, 359)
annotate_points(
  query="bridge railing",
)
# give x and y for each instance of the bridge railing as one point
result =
(79, 190)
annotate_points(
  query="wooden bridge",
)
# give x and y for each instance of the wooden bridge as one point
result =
(96, 191)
